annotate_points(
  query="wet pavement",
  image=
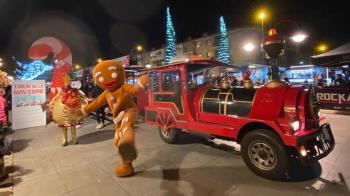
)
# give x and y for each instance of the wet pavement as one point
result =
(196, 166)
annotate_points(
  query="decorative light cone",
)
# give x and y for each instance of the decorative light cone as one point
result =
(247, 82)
(273, 45)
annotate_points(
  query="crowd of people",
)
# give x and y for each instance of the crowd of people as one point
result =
(338, 80)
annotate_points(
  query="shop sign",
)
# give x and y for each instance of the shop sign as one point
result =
(334, 98)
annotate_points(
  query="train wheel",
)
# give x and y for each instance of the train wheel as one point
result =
(170, 136)
(167, 132)
(264, 154)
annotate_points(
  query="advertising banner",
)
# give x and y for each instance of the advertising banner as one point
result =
(27, 97)
(334, 98)
(124, 60)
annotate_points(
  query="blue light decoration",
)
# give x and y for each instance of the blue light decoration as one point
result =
(32, 70)
(170, 38)
(223, 53)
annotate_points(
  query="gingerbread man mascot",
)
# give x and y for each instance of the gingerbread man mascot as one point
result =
(110, 76)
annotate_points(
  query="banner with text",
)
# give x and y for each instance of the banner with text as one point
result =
(27, 97)
(124, 60)
(334, 98)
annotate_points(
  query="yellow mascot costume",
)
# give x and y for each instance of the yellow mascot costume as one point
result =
(110, 76)
(66, 109)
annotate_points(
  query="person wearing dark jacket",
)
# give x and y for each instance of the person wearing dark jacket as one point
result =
(100, 113)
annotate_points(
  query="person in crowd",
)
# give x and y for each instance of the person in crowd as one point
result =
(286, 79)
(4, 150)
(234, 81)
(319, 80)
(8, 97)
(3, 105)
(339, 81)
(257, 82)
(100, 113)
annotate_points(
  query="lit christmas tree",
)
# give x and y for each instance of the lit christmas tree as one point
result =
(223, 54)
(170, 39)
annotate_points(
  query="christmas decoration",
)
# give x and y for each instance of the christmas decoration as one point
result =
(170, 39)
(33, 70)
(62, 59)
(4, 81)
(224, 44)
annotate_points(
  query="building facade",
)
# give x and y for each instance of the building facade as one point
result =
(206, 47)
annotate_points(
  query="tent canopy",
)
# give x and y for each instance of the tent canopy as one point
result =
(336, 57)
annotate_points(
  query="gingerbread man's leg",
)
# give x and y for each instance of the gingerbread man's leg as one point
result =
(125, 143)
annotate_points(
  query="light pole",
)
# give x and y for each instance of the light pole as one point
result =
(262, 16)
(138, 48)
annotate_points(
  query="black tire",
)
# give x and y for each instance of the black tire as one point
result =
(264, 154)
(171, 137)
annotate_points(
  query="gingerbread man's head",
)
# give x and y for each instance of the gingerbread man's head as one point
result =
(109, 75)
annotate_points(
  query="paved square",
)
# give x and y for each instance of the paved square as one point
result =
(41, 167)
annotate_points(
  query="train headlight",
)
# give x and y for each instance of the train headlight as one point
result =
(295, 125)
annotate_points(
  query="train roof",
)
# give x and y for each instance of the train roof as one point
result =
(187, 62)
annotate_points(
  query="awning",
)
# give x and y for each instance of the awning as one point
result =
(336, 57)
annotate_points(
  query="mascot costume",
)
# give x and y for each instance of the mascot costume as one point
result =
(110, 76)
(66, 108)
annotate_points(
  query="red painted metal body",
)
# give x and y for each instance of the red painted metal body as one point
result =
(273, 108)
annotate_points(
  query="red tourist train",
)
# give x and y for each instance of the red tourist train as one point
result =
(273, 124)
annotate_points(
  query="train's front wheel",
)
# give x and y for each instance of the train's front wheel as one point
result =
(264, 153)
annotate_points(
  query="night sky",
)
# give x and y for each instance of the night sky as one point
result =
(109, 29)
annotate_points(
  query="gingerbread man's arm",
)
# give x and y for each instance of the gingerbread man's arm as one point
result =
(141, 84)
(97, 103)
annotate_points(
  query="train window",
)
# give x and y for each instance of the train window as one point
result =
(198, 74)
(171, 81)
(154, 81)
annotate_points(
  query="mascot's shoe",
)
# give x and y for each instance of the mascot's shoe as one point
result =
(64, 143)
(74, 142)
(127, 151)
(124, 170)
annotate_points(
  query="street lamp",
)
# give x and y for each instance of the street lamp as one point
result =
(138, 48)
(298, 37)
(77, 66)
(262, 16)
(322, 48)
(248, 47)
(99, 60)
